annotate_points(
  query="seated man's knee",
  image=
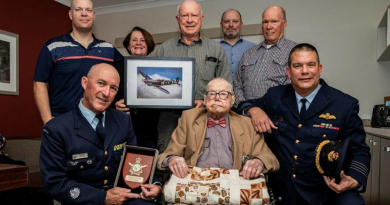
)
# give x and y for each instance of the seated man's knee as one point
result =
(348, 197)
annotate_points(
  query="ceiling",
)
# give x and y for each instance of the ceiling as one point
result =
(115, 6)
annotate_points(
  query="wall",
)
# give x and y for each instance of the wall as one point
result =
(35, 22)
(343, 31)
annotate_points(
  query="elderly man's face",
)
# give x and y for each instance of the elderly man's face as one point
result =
(304, 72)
(190, 19)
(273, 25)
(100, 88)
(82, 15)
(219, 98)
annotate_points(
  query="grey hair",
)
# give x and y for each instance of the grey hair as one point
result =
(178, 7)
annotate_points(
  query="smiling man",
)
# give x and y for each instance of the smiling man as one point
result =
(65, 59)
(217, 137)
(232, 42)
(296, 116)
(263, 66)
(210, 62)
(80, 157)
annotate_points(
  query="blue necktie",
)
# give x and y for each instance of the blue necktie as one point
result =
(99, 128)
(303, 108)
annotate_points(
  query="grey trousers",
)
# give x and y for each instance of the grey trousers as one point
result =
(167, 123)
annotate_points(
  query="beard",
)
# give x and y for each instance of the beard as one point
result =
(231, 35)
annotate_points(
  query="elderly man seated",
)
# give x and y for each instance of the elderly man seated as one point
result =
(216, 137)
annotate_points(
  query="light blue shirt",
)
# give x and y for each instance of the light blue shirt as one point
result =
(234, 52)
(90, 116)
(309, 98)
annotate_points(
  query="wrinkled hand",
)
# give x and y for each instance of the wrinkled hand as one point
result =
(252, 169)
(120, 105)
(346, 183)
(118, 196)
(198, 103)
(260, 120)
(178, 166)
(150, 191)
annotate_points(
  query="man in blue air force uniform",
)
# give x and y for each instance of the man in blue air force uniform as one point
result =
(302, 115)
(81, 149)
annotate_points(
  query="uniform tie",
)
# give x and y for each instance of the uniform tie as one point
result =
(99, 128)
(303, 108)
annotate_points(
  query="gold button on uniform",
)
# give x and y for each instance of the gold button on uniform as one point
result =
(81, 167)
(324, 135)
(106, 168)
(300, 125)
(294, 176)
(105, 181)
(105, 153)
(296, 141)
(295, 157)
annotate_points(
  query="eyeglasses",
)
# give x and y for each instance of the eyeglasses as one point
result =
(223, 95)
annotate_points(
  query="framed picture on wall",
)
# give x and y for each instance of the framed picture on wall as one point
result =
(159, 82)
(9, 63)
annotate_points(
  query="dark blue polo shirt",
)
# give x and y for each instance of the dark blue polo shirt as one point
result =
(63, 61)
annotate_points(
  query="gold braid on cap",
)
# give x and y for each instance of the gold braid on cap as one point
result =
(319, 148)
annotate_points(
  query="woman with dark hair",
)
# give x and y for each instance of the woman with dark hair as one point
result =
(139, 42)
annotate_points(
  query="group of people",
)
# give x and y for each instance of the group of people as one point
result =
(78, 77)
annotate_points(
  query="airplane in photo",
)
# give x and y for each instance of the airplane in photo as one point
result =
(159, 82)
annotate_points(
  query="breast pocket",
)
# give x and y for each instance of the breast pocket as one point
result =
(118, 155)
(77, 168)
(278, 72)
(248, 69)
(325, 133)
(81, 164)
(209, 68)
(282, 126)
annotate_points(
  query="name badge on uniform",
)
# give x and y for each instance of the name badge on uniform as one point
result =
(80, 156)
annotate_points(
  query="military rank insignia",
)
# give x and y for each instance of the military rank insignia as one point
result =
(328, 116)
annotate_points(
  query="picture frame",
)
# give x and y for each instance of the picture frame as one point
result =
(9, 63)
(152, 82)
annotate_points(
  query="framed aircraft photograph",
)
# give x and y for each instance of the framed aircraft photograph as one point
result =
(159, 82)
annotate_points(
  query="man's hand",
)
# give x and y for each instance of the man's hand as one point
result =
(178, 166)
(150, 191)
(118, 195)
(120, 105)
(346, 183)
(252, 169)
(198, 103)
(260, 120)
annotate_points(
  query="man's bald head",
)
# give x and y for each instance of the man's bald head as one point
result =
(281, 9)
(100, 87)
